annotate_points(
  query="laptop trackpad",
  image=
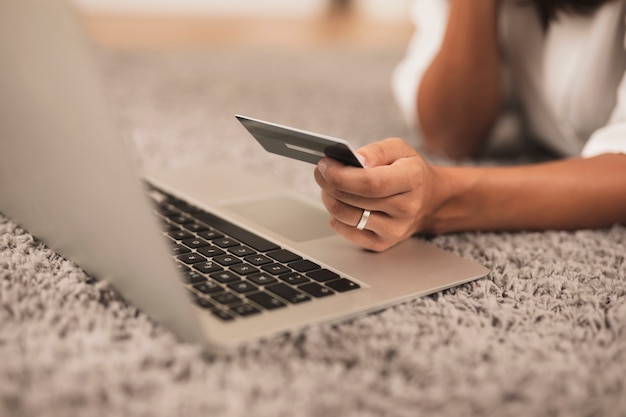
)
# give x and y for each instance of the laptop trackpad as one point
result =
(286, 215)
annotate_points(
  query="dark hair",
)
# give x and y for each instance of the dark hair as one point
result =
(548, 9)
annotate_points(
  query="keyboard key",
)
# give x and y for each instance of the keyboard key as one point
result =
(284, 256)
(210, 234)
(258, 260)
(195, 227)
(276, 269)
(177, 249)
(343, 285)
(304, 265)
(191, 258)
(262, 279)
(179, 218)
(208, 287)
(316, 290)
(224, 277)
(225, 242)
(241, 251)
(242, 287)
(222, 315)
(322, 275)
(195, 242)
(227, 260)
(294, 278)
(208, 267)
(266, 301)
(245, 310)
(193, 277)
(244, 269)
(286, 292)
(210, 251)
(226, 298)
(204, 303)
(179, 234)
(166, 211)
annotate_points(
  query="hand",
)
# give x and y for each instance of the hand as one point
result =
(396, 186)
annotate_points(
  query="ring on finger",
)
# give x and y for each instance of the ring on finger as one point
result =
(364, 218)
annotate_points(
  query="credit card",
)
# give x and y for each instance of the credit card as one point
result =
(299, 144)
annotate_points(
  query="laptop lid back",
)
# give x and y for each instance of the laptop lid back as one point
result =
(65, 175)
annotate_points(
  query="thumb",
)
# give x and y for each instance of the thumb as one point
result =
(384, 152)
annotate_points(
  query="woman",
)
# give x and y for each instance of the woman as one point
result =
(561, 61)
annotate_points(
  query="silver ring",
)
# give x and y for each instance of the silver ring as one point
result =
(364, 218)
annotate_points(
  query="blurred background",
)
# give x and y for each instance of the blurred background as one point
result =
(178, 71)
(192, 23)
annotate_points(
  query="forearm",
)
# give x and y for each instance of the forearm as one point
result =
(459, 94)
(567, 194)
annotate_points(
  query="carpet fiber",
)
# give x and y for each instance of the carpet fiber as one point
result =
(543, 335)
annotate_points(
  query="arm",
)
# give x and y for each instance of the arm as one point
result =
(459, 94)
(567, 194)
(406, 195)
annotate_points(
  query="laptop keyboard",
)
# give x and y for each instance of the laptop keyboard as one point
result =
(234, 273)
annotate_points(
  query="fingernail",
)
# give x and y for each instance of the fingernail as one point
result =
(361, 158)
(322, 165)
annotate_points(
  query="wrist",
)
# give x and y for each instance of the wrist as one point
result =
(448, 208)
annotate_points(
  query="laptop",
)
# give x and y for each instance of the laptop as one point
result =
(222, 258)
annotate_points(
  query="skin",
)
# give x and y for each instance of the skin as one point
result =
(407, 195)
(459, 96)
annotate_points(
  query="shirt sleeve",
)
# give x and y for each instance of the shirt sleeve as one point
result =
(612, 137)
(430, 18)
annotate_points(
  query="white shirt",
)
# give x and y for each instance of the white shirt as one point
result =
(570, 81)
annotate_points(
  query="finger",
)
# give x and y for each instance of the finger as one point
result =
(348, 198)
(385, 152)
(364, 238)
(352, 215)
(372, 183)
(386, 227)
(344, 205)
(379, 234)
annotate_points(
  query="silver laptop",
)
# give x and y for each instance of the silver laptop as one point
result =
(221, 264)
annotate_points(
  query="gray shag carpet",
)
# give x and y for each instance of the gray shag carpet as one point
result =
(543, 335)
